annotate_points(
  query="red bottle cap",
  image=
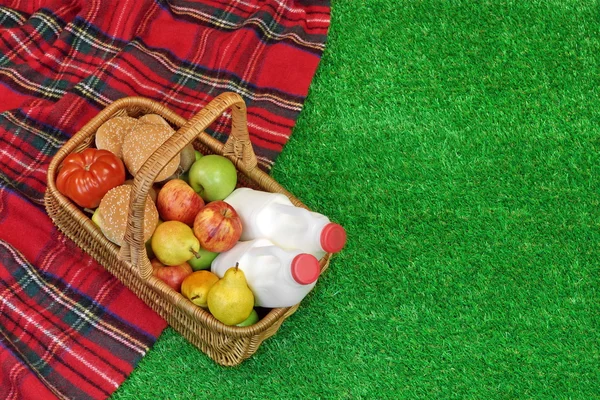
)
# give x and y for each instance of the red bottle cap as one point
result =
(333, 237)
(305, 268)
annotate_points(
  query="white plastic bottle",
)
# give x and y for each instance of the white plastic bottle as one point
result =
(274, 217)
(277, 277)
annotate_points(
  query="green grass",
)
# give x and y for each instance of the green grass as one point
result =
(458, 143)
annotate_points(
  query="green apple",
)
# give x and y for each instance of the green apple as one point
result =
(213, 177)
(206, 258)
(197, 154)
(251, 320)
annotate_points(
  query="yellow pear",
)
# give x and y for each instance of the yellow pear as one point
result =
(230, 300)
(174, 243)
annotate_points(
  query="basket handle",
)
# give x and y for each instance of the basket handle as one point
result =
(237, 148)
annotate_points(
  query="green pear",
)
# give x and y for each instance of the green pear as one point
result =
(230, 300)
(174, 243)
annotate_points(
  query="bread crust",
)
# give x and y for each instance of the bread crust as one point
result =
(114, 209)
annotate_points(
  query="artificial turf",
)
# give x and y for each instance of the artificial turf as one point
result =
(458, 143)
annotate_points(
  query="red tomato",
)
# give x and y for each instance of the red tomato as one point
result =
(85, 177)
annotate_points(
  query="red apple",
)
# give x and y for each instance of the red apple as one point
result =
(177, 201)
(217, 226)
(171, 275)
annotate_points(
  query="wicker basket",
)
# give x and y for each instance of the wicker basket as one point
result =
(226, 345)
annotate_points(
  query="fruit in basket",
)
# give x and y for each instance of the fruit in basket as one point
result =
(187, 157)
(173, 243)
(172, 275)
(148, 246)
(142, 142)
(251, 320)
(186, 175)
(217, 226)
(96, 217)
(230, 300)
(110, 135)
(177, 201)
(85, 177)
(197, 285)
(213, 177)
(111, 215)
(202, 260)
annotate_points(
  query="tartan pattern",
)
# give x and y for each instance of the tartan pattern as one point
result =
(70, 329)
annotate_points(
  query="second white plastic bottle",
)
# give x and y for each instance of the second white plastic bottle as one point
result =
(277, 277)
(274, 217)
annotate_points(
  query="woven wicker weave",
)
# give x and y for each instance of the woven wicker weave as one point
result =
(226, 345)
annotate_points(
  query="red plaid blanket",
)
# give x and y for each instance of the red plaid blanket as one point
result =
(68, 328)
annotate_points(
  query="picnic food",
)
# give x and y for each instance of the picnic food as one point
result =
(277, 277)
(153, 119)
(188, 157)
(217, 226)
(131, 263)
(273, 216)
(171, 275)
(177, 201)
(135, 139)
(251, 320)
(198, 225)
(203, 259)
(152, 192)
(111, 215)
(173, 243)
(197, 285)
(85, 177)
(142, 142)
(110, 134)
(230, 300)
(213, 177)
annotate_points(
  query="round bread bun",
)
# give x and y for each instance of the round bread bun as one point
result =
(141, 142)
(112, 214)
(153, 193)
(184, 157)
(153, 119)
(110, 134)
